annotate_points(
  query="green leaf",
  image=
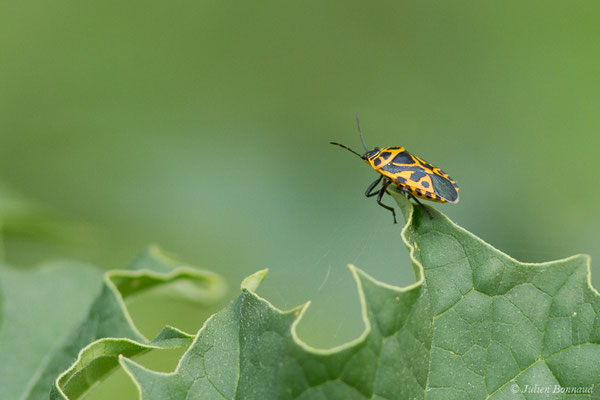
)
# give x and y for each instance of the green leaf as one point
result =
(34, 316)
(43, 334)
(477, 324)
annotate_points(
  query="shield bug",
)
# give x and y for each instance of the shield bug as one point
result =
(407, 173)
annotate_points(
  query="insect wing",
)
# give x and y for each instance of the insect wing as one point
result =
(421, 178)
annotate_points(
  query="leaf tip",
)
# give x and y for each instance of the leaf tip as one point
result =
(254, 280)
(301, 309)
(356, 272)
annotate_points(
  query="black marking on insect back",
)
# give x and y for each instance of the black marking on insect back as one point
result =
(428, 195)
(400, 179)
(403, 158)
(394, 169)
(417, 175)
(377, 162)
(444, 188)
(386, 154)
(425, 184)
(393, 148)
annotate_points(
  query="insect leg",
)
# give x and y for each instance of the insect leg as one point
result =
(421, 204)
(369, 192)
(381, 192)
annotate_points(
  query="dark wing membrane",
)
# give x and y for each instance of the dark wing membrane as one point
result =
(444, 188)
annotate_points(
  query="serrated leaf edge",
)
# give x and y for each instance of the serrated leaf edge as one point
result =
(408, 210)
(178, 271)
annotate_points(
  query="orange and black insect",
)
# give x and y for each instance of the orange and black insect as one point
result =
(410, 175)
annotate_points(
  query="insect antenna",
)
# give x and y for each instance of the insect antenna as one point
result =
(345, 147)
(360, 132)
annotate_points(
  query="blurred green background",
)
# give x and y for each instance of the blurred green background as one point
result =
(204, 127)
